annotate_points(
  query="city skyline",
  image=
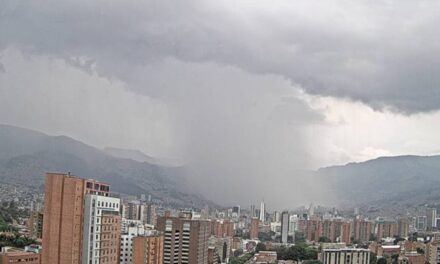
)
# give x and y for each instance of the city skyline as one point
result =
(234, 90)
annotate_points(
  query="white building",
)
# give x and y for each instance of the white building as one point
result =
(285, 219)
(345, 255)
(293, 225)
(262, 212)
(99, 213)
(126, 248)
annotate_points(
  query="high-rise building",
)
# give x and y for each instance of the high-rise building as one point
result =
(431, 215)
(276, 217)
(148, 249)
(236, 211)
(102, 229)
(362, 229)
(127, 235)
(253, 231)
(148, 214)
(262, 212)
(252, 211)
(185, 240)
(293, 226)
(222, 246)
(403, 227)
(313, 230)
(285, 218)
(63, 216)
(386, 229)
(222, 228)
(421, 223)
(329, 230)
(311, 210)
(35, 224)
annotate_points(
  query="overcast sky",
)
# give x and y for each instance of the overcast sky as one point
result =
(247, 93)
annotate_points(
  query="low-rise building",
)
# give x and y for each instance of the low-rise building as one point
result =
(345, 255)
(13, 255)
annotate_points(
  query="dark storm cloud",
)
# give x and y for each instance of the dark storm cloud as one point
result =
(385, 54)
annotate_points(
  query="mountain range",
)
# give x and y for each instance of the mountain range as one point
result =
(385, 182)
(26, 155)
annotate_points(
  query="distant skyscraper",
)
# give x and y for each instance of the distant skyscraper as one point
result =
(293, 225)
(277, 216)
(253, 231)
(262, 212)
(421, 223)
(362, 229)
(311, 210)
(252, 212)
(236, 211)
(403, 227)
(285, 218)
(431, 215)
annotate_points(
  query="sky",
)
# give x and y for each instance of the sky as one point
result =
(248, 94)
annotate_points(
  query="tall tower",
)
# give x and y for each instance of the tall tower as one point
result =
(185, 240)
(64, 197)
(262, 212)
(102, 229)
(254, 228)
(285, 218)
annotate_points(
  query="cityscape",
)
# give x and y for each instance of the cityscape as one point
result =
(219, 132)
(82, 221)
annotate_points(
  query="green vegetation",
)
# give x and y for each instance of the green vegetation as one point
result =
(9, 213)
(324, 239)
(242, 259)
(260, 247)
(373, 258)
(372, 237)
(382, 261)
(299, 237)
(297, 252)
(263, 236)
(15, 240)
(313, 261)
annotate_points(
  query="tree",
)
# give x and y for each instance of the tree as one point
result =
(260, 247)
(324, 239)
(299, 237)
(382, 261)
(373, 258)
(398, 239)
(313, 261)
(372, 237)
(238, 252)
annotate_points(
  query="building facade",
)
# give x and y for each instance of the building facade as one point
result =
(345, 255)
(102, 229)
(285, 219)
(148, 249)
(63, 216)
(185, 240)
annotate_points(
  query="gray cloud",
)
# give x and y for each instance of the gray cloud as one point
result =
(383, 54)
(225, 76)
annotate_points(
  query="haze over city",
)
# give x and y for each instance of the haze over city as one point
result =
(250, 96)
